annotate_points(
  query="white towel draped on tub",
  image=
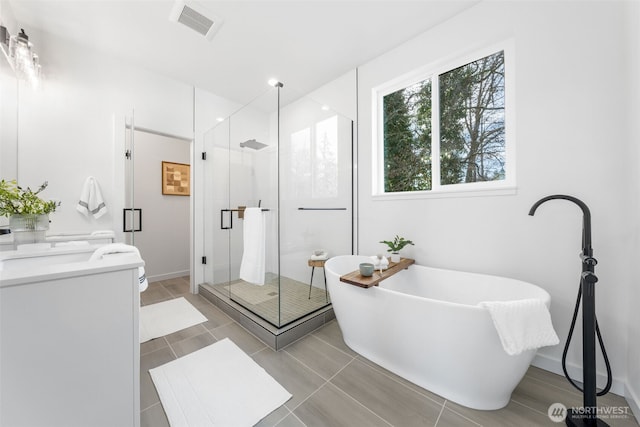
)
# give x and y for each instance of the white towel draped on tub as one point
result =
(252, 267)
(121, 248)
(91, 201)
(522, 324)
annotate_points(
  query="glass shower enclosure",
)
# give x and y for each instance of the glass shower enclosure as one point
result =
(278, 182)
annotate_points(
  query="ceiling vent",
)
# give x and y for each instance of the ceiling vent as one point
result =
(195, 17)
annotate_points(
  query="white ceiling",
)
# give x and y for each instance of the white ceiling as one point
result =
(303, 43)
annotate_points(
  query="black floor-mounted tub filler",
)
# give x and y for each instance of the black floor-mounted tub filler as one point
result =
(587, 415)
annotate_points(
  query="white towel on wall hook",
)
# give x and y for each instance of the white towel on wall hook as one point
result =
(91, 201)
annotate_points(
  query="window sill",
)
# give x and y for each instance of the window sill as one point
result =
(446, 194)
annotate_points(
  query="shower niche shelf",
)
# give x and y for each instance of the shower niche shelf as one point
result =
(357, 279)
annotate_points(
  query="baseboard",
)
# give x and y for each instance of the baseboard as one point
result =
(167, 276)
(632, 399)
(554, 365)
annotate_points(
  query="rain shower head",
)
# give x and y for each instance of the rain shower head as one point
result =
(253, 144)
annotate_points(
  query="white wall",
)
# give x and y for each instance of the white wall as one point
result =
(73, 126)
(339, 95)
(7, 18)
(572, 136)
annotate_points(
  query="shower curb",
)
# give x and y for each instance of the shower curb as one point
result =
(276, 338)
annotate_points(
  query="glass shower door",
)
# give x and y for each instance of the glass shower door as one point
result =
(216, 208)
(241, 173)
(253, 201)
(131, 215)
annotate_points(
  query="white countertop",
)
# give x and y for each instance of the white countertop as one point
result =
(49, 264)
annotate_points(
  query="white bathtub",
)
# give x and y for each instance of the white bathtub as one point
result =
(423, 324)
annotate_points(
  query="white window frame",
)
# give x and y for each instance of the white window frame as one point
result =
(506, 186)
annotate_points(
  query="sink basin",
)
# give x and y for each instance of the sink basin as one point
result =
(32, 258)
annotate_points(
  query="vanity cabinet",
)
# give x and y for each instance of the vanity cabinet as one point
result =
(69, 344)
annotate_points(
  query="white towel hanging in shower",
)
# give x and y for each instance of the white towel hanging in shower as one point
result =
(252, 267)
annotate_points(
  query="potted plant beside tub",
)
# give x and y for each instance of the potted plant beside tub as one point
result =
(396, 246)
(28, 213)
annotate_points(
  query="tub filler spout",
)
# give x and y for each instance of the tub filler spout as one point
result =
(587, 250)
(590, 328)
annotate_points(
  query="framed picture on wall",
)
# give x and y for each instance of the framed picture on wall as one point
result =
(176, 179)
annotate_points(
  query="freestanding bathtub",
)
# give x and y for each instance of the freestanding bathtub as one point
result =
(424, 324)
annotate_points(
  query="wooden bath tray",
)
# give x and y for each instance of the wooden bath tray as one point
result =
(357, 279)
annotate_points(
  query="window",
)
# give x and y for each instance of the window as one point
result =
(446, 130)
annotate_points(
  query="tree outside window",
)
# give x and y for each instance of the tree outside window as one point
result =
(472, 143)
(469, 113)
(407, 138)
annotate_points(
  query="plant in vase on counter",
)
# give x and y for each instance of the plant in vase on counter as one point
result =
(396, 246)
(28, 213)
(15, 200)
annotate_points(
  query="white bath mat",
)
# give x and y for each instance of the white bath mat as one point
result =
(167, 317)
(219, 385)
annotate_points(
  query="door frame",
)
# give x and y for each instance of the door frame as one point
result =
(120, 128)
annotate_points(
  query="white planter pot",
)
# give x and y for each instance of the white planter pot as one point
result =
(395, 257)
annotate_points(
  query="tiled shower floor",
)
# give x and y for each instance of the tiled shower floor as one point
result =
(295, 299)
(333, 386)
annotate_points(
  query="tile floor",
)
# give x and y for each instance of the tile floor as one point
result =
(333, 386)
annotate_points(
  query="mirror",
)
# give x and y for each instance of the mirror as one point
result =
(8, 120)
(8, 123)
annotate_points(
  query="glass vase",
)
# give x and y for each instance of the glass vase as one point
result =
(28, 228)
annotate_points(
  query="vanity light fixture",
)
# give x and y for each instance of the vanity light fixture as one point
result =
(19, 52)
(4, 40)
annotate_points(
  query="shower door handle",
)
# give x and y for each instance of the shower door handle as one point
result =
(222, 212)
(129, 217)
